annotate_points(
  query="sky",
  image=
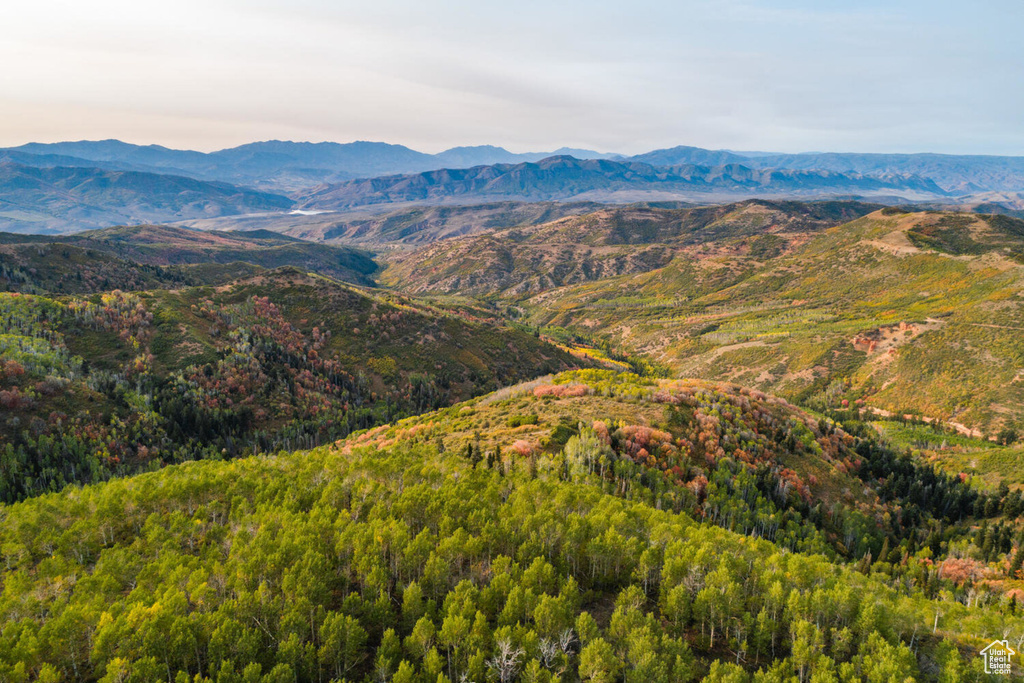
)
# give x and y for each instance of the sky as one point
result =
(627, 77)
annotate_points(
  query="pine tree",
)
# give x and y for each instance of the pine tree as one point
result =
(1018, 562)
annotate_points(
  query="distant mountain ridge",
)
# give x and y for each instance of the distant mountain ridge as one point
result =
(60, 160)
(67, 198)
(567, 178)
(954, 173)
(290, 166)
(277, 164)
(71, 186)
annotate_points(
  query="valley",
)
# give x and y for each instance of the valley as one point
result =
(290, 186)
(564, 342)
(904, 312)
(121, 382)
(607, 536)
(758, 440)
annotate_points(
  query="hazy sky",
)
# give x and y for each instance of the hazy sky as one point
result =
(614, 76)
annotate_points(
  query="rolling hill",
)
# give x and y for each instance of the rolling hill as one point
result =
(283, 477)
(426, 224)
(152, 256)
(163, 245)
(609, 242)
(566, 178)
(68, 199)
(121, 382)
(900, 312)
(384, 227)
(908, 313)
(603, 524)
(47, 268)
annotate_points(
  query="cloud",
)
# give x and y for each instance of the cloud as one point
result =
(791, 76)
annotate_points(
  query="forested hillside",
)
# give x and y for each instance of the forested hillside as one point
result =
(121, 382)
(54, 268)
(156, 256)
(285, 401)
(609, 242)
(606, 528)
(216, 470)
(903, 312)
(389, 227)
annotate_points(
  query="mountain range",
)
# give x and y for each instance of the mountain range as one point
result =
(285, 166)
(48, 199)
(54, 199)
(330, 190)
(567, 178)
(274, 164)
(772, 440)
(962, 174)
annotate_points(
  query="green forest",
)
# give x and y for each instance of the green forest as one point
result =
(280, 470)
(122, 382)
(586, 549)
